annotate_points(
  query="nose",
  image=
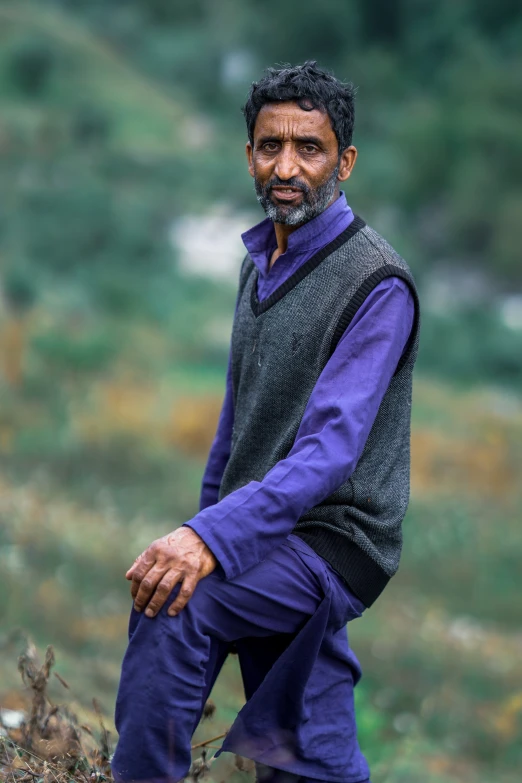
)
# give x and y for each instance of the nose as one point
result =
(286, 163)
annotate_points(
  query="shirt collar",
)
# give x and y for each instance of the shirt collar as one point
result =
(260, 240)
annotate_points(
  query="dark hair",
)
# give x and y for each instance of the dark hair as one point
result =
(312, 88)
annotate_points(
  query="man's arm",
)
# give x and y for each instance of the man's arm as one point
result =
(153, 569)
(220, 449)
(240, 530)
(182, 556)
(245, 525)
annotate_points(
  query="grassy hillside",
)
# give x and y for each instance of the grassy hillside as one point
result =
(439, 650)
(83, 69)
(117, 119)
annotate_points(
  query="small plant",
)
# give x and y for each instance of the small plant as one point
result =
(47, 743)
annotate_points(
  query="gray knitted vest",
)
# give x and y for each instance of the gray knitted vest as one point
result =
(279, 348)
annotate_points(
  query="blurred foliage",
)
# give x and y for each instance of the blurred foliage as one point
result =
(470, 346)
(119, 118)
(441, 687)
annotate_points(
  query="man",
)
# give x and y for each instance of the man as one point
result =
(307, 481)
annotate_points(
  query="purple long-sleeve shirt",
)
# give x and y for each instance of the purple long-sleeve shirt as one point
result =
(243, 527)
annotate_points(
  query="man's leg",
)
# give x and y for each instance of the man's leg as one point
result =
(171, 662)
(269, 775)
(256, 658)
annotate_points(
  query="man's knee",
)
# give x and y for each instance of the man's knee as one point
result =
(202, 615)
(200, 606)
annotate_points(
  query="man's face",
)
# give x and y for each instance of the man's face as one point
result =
(295, 162)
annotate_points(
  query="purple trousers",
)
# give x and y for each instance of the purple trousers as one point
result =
(287, 618)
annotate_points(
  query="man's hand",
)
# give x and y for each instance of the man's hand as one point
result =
(181, 556)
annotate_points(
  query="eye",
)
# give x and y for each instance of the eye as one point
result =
(269, 146)
(310, 149)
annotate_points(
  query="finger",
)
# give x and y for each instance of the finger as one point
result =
(162, 592)
(140, 561)
(136, 583)
(141, 572)
(187, 588)
(147, 560)
(147, 586)
(130, 572)
(142, 564)
(135, 586)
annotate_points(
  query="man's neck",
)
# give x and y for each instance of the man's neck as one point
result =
(283, 231)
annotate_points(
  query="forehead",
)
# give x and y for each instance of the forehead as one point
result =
(287, 120)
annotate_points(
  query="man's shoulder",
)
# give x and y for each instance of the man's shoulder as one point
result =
(245, 270)
(375, 244)
(369, 245)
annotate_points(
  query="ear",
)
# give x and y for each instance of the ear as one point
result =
(346, 164)
(249, 158)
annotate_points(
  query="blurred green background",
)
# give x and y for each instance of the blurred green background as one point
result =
(123, 193)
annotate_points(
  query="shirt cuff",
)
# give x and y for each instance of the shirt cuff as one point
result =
(227, 569)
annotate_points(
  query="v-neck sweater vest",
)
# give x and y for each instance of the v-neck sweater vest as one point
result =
(279, 348)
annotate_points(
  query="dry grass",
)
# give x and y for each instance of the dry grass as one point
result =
(49, 744)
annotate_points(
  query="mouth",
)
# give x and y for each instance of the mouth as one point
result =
(283, 193)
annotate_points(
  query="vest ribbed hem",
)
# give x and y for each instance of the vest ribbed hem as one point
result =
(360, 572)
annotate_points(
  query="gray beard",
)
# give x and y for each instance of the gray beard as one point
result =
(313, 203)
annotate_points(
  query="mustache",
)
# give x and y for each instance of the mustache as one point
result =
(293, 182)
